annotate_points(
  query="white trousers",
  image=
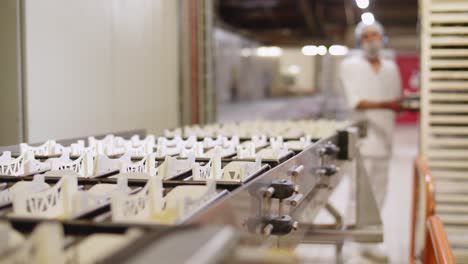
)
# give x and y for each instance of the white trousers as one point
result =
(377, 169)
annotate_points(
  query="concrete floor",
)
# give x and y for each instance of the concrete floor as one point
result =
(396, 212)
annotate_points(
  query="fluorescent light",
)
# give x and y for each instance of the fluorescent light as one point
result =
(309, 50)
(276, 51)
(363, 4)
(314, 50)
(293, 69)
(368, 18)
(338, 50)
(263, 51)
(321, 50)
(246, 52)
(269, 51)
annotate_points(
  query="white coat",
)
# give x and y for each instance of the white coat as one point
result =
(361, 82)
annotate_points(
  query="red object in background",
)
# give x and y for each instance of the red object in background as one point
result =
(408, 65)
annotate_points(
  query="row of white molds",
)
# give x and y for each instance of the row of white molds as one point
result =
(64, 200)
(24, 164)
(233, 171)
(289, 129)
(46, 244)
(149, 204)
(109, 145)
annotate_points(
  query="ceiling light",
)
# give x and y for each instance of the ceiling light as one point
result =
(338, 50)
(363, 4)
(309, 50)
(367, 18)
(321, 50)
(269, 51)
(246, 52)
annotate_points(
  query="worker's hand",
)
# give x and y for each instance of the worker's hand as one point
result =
(394, 105)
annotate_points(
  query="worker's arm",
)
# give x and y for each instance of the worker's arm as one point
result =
(350, 79)
(393, 105)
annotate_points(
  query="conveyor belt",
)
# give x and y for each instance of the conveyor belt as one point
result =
(265, 207)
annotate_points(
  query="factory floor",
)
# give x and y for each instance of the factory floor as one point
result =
(396, 212)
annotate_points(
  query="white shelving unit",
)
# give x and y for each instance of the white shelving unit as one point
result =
(444, 114)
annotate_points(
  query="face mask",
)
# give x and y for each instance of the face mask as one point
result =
(371, 49)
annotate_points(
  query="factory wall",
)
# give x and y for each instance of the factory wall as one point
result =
(239, 74)
(99, 66)
(10, 99)
(299, 68)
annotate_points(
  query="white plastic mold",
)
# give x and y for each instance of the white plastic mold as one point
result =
(276, 151)
(164, 151)
(82, 166)
(109, 145)
(53, 202)
(104, 164)
(223, 152)
(209, 142)
(246, 151)
(46, 149)
(241, 170)
(44, 245)
(149, 139)
(10, 238)
(177, 141)
(24, 164)
(149, 204)
(211, 170)
(139, 206)
(173, 133)
(173, 166)
(13, 166)
(5, 197)
(197, 150)
(36, 185)
(98, 195)
(63, 200)
(300, 144)
(147, 165)
(258, 141)
(186, 198)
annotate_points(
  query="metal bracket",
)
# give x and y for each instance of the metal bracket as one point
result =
(279, 225)
(329, 149)
(282, 189)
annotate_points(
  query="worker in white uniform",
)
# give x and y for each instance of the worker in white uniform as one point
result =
(372, 87)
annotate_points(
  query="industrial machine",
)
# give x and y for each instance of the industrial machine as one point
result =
(233, 193)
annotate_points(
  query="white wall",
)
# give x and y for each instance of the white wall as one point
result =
(100, 66)
(305, 79)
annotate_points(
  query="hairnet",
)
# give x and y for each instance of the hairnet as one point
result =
(361, 27)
